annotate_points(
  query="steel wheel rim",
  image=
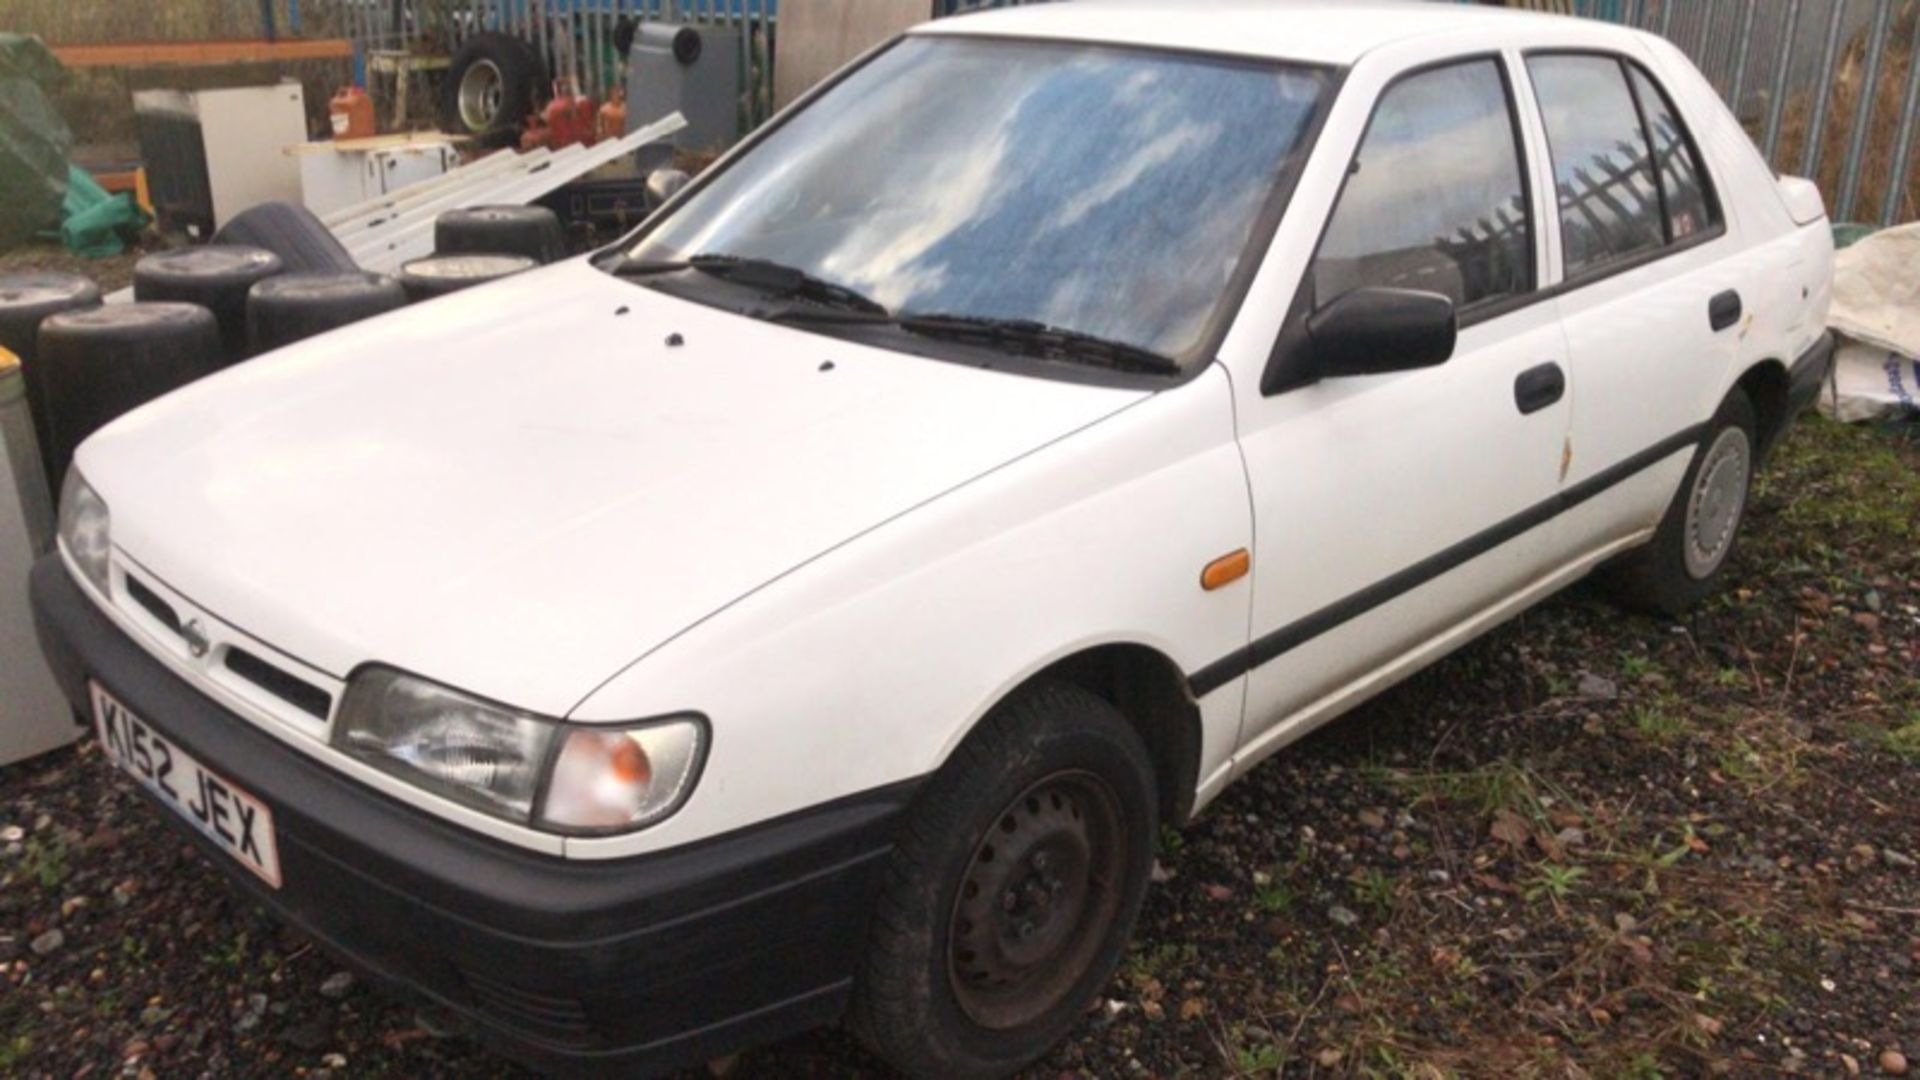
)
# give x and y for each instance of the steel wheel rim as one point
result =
(1036, 900)
(1718, 500)
(482, 93)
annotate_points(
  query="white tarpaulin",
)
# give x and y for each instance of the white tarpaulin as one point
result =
(1870, 382)
(1876, 312)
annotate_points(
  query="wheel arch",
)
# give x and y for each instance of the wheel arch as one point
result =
(1767, 386)
(1149, 689)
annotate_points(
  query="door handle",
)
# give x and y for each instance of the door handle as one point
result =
(1723, 310)
(1539, 387)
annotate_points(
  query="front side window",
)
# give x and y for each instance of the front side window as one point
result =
(1435, 198)
(1108, 191)
(1610, 206)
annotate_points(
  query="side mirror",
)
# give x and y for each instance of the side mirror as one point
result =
(664, 184)
(1375, 330)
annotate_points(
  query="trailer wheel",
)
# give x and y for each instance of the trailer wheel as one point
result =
(490, 89)
(288, 308)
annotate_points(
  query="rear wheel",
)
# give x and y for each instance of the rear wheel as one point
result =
(1683, 562)
(1016, 883)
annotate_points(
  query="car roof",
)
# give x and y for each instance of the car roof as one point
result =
(1312, 31)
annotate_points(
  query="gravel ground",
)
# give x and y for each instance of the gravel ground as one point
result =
(1588, 845)
(111, 273)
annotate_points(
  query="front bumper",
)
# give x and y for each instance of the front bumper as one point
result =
(638, 964)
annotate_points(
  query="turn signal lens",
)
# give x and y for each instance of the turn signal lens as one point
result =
(1226, 570)
(609, 780)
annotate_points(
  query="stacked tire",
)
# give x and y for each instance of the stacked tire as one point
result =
(26, 301)
(440, 275)
(216, 277)
(292, 307)
(98, 363)
(533, 232)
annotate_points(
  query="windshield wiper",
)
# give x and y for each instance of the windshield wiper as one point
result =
(1040, 339)
(838, 304)
(786, 282)
(766, 276)
(628, 266)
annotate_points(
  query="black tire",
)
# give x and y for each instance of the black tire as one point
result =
(25, 301)
(1687, 557)
(961, 981)
(216, 277)
(532, 231)
(438, 275)
(291, 231)
(291, 307)
(104, 361)
(492, 86)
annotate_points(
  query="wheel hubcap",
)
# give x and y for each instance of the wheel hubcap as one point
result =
(1718, 499)
(1036, 900)
(482, 92)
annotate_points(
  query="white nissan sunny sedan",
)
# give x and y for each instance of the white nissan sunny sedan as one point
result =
(813, 607)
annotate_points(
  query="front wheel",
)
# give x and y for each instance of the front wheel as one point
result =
(1684, 560)
(1010, 898)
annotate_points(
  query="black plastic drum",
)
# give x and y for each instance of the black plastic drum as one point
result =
(99, 363)
(282, 310)
(216, 277)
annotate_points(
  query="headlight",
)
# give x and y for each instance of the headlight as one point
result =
(500, 761)
(84, 529)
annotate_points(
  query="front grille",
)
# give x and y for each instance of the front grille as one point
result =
(150, 601)
(559, 1018)
(297, 692)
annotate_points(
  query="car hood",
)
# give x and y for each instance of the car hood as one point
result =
(524, 487)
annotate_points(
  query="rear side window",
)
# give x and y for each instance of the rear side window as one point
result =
(1602, 166)
(1435, 198)
(1628, 178)
(1677, 164)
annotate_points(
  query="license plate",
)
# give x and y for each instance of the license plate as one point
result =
(240, 824)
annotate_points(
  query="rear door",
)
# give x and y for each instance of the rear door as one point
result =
(1653, 310)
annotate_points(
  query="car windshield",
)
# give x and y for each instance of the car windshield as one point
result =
(1103, 191)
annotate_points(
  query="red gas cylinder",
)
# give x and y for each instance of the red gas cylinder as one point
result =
(613, 116)
(570, 117)
(351, 112)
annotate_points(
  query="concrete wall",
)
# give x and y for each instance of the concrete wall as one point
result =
(818, 36)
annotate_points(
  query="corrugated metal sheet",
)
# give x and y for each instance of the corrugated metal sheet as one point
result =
(383, 233)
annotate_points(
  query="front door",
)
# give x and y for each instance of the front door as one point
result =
(1391, 509)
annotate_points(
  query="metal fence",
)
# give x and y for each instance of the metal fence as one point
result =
(1828, 88)
(575, 37)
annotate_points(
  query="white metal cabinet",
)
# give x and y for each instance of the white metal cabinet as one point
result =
(344, 172)
(34, 717)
